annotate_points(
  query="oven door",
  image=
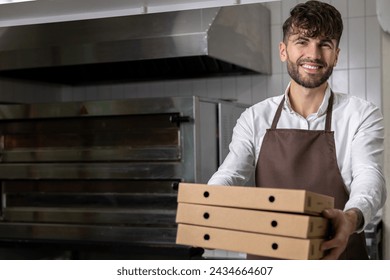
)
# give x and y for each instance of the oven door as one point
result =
(96, 172)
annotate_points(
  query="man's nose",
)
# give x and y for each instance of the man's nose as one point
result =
(314, 51)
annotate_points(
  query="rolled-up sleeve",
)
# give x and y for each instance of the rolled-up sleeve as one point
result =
(368, 188)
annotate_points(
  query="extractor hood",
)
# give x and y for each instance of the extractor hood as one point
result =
(171, 45)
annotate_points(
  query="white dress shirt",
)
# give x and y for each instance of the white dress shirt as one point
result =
(359, 136)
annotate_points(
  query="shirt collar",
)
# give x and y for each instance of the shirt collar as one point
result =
(323, 106)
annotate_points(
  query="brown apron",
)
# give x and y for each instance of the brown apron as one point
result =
(306, 159)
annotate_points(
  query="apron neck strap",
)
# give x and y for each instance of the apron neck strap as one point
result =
(328, 123)
(278, 113)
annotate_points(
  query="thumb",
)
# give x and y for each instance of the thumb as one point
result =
(330, 213)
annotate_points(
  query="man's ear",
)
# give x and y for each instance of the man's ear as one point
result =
(283, 51)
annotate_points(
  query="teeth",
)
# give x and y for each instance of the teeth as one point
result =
(310, 66)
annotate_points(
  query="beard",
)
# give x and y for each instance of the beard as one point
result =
(313, 80)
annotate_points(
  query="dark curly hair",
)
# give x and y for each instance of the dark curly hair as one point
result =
(314, 19)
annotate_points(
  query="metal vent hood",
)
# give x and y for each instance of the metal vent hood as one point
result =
(172, 45)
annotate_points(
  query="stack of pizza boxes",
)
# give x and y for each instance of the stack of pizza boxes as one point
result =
(268, 222)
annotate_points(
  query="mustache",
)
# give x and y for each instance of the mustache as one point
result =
(319, 62)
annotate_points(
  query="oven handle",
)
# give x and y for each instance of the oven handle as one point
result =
(179, 119)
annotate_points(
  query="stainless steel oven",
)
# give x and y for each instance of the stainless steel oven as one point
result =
(99, 179)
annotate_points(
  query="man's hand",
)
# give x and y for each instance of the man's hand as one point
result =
(344, 224)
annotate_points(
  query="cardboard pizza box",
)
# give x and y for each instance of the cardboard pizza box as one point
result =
(276, 223)
(273, 246)
(273, 199)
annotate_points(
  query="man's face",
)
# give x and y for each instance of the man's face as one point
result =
(310, 61)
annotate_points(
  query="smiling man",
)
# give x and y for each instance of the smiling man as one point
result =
(313, 138)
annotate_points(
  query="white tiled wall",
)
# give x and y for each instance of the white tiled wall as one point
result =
(386, 112)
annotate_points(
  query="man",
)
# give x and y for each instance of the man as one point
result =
(313, 138)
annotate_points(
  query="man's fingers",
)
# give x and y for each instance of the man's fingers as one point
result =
(330, 213)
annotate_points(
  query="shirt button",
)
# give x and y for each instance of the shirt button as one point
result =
(305, 124)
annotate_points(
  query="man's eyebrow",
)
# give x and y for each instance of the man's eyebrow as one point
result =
(300, 38)
(326, 40)
(305, 38)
